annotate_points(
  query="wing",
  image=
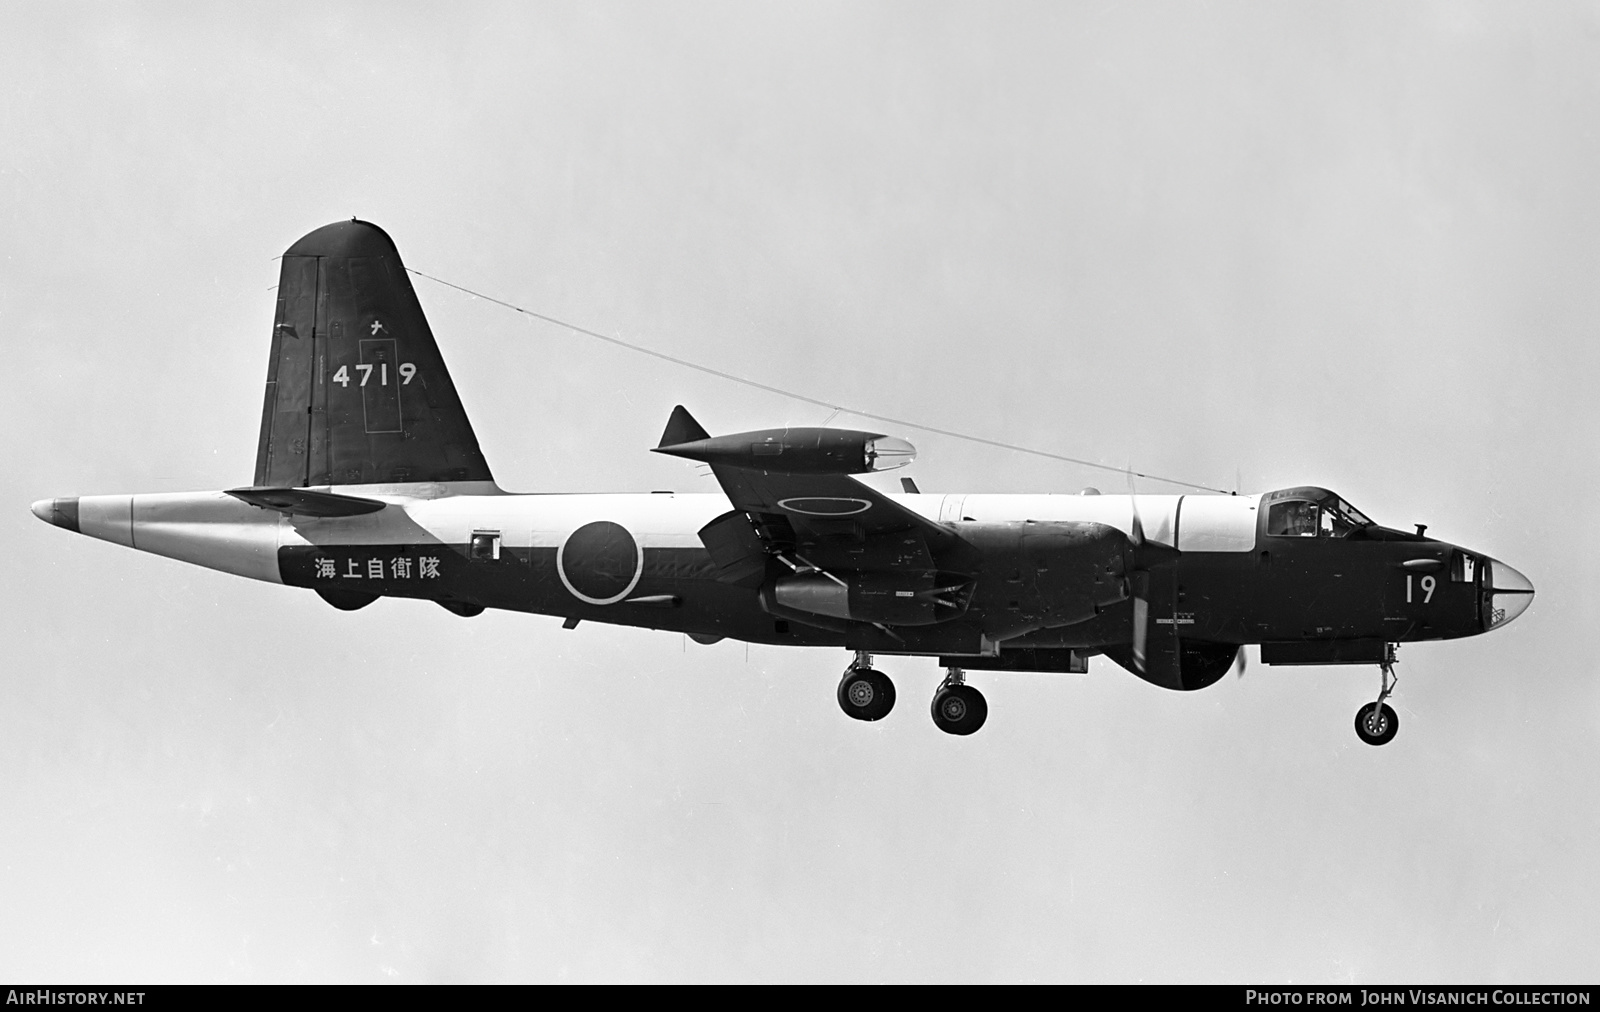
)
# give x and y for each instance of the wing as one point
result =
(815, 519)
(833, 522)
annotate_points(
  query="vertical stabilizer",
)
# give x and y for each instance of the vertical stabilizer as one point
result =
(357, 392)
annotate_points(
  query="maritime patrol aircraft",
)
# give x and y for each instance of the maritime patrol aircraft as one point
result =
(369, 483)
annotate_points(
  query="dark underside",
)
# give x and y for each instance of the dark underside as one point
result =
(1224, 598)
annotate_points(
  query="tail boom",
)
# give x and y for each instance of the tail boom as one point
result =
(210, 529)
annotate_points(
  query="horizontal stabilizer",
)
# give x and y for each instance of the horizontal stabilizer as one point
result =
(304, 502)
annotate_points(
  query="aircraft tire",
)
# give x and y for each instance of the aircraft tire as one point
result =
(865, 694)
(1377, 728)
(959, 709)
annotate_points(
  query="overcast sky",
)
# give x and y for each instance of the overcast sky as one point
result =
(1353, 245)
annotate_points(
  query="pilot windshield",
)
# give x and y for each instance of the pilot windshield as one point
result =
(1339, 518)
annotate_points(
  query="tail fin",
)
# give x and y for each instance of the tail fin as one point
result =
(682, 428)
(357, 392)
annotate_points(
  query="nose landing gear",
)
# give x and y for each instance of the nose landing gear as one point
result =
(1377, 723)
(865, 694)
(958, 708)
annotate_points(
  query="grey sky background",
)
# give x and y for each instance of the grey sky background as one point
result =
(1352, 245)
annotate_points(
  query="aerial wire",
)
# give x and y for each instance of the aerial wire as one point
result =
(792, 395)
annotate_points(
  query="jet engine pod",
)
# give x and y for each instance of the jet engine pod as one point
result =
(799, 451)
(889, 598)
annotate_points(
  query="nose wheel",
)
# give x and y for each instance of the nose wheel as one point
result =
(1377, 723)
(865, 693)
(958, 708)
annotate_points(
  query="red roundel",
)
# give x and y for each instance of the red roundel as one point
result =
(600, 562)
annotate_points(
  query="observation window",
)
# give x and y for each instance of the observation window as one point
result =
(485, 545)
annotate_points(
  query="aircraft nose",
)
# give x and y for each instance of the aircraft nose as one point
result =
(61, 512)
(1507, 594)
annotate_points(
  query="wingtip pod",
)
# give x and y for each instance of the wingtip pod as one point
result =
(885, 453)
(802, 450)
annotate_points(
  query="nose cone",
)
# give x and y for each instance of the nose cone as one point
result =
(1506, 594)
(61, 512)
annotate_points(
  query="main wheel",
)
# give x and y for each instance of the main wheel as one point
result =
(866, 694)
(1377, 726)
(959, 709)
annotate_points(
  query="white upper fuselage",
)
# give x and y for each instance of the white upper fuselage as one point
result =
(216, 530)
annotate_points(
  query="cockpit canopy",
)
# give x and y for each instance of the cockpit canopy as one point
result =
(1308, 512)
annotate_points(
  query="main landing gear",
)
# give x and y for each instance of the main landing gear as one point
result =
(864, 693)
(1377, 723)
(958, 708)
(867, 694)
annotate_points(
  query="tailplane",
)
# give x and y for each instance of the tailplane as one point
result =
(357, 392)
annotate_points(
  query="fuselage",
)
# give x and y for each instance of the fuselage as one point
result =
(638, 560)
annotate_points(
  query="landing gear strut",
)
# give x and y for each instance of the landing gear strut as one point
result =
(1377, 723)
(958, 708)
(864, 693)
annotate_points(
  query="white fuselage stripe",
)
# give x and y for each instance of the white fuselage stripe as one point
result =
(216, 530)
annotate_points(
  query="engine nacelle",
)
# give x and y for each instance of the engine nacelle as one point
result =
(799, 451)
(1046, 574)
(1199, 664)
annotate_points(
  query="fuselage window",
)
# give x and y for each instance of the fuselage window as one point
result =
(485, 544)
(1463, 568)
(1292, 519)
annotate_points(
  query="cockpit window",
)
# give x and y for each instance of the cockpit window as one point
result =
(1339, 518)
(1332, 517)
(1292, 519)
(1356, 516)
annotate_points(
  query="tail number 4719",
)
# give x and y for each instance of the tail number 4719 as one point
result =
(407, 371)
